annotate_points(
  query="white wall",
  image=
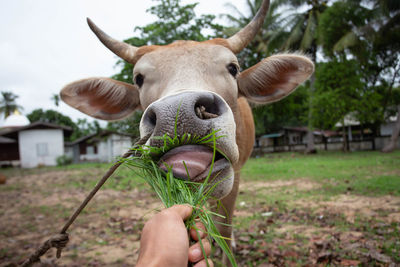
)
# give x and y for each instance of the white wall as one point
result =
(69, 151)
(102, 150)
(120, 145)
(114, 147)
(387, 129)
(109, 149)
(40, 147)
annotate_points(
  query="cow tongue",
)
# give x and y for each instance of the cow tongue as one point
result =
(197, 159)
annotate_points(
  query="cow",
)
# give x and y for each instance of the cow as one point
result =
(203, 82)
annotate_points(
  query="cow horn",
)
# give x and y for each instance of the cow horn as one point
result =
(121, 49)
(239, 41)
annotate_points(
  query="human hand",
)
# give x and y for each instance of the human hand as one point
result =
(165, 241)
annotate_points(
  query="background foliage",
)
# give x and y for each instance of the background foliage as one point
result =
(354, 43)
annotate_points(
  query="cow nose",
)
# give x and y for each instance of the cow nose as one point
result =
(195, 113)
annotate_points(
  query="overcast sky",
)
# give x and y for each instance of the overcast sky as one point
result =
(45, 44)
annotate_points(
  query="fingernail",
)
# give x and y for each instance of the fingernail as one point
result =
(196, 253)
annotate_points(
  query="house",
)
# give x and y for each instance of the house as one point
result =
(294, 139)
(105, 146)
(361, 137)
(354, 130)
(33, 145)
(36, 144)
(386, 129)
(272, 139)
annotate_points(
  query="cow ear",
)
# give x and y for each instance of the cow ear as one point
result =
(274, 77)
(102, 98)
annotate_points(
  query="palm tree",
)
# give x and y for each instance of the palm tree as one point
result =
(8, 104)
(301, 31)
(265, 42)
(372, 35)
(288, 30)
(383, 19)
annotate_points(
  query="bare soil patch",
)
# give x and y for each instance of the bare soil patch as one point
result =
(33, 207)
(386, 208)
(347, 230)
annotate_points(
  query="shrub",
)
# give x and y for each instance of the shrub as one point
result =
(63, 160)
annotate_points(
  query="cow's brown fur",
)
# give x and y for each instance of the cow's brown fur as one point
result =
(189, 66)
(147, 49)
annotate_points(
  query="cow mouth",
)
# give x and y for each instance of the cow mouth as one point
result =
(193, 162)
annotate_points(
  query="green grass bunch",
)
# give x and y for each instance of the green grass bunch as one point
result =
(172, 191)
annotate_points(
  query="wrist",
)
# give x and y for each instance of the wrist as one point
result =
(150, 261)
(160, 261)
(147, 263)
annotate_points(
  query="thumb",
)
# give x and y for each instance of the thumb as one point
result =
(184, 211)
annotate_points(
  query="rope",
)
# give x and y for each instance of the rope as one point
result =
(60, 240)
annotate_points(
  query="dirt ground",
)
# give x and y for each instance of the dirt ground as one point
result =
(346, 230)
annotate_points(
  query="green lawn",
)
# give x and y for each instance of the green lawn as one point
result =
(365, 173)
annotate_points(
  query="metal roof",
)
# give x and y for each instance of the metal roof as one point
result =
(13, 132)
(95, 135)
(272, 135)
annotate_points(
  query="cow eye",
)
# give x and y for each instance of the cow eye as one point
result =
(139, 79)
(233, 69)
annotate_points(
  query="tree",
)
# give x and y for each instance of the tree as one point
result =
(360, 25)
(87, 128)
(55, 117)
(80, 129)
(176, 22)
(370, 33)
(266, 42)
(290, 111)
(56, 99)
(51, 116)
(337, 94)
(300, 32)
(8, 104)
(129, 125)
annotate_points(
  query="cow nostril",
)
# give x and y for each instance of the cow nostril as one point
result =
(151, 118)
(203, 113)
(208, 107)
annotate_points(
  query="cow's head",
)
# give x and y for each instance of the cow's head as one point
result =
(202, 81)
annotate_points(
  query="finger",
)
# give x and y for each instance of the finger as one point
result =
(184, 211)
(198, 228)
(196, 253)
(204, 264)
